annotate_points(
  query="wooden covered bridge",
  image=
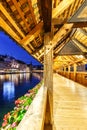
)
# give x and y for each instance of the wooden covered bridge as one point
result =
(55, 33)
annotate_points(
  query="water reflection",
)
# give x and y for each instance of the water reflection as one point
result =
(13, 86)
(16, 78)
(8, 91)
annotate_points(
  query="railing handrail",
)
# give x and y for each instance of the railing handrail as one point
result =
(35, 116)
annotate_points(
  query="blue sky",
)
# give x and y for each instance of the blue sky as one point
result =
(9, 47)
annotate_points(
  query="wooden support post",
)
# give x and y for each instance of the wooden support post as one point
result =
(75, 68)
(48, 77)
(64, 70)
(68, 71)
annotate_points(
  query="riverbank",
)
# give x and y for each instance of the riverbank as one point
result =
(17, 72)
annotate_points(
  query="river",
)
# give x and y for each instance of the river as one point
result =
(13, 86)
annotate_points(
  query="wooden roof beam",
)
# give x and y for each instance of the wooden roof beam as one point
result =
(32, 34)
(56, 21)
(76, 40)
(6, 27)
(61, 8)
(80, 16)
(59, 22)
(65, 29)
(59, 35)
(32, 11)
(77, 61)
(46, 6)
(16, 4)
(83, 31)
(27, 49)
(79, 24)
(72, 61)
(13, 34)
(3, 10)
(55, 3)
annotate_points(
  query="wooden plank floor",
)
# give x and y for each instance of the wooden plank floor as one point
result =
(69, 104)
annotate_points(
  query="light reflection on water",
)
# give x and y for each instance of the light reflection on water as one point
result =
(16, 78)
(13, 86)
(8, 91)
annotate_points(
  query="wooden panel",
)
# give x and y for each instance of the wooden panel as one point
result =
(66, 74)
(81, 78)
(71, 75)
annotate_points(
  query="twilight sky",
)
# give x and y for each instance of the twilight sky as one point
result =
(9, 47)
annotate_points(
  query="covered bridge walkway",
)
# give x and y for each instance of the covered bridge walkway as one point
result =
(69, 104)
(69, 107)
(55, 33)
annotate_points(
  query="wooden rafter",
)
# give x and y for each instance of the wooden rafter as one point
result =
(65, 29)
(68, 60)
(64, 11)
(3, 10)
(55, 3)
(83, 31)
(46, 6)
(70, 48)
(21, 13)
(27, 49)
(76, 40)
(32, 11)
(59, 36)
(57, 21)
(79, 24)
(9, 30)
(32, 34)
(76, 17)
(61, 8)
(58, 16)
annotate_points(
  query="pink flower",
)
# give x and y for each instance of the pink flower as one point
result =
(26, 108)
(27, 94)
(14, 124)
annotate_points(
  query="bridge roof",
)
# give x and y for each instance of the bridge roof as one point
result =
(26, 21)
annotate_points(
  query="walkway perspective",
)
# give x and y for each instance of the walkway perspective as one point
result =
(69, 104)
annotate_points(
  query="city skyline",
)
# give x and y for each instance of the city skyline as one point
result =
(9, 47)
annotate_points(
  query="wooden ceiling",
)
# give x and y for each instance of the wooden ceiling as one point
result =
(26, 21)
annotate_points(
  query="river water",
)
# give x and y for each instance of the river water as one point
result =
(13, 86)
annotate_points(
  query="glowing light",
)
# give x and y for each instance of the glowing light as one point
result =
(8, 91)
(79, 56)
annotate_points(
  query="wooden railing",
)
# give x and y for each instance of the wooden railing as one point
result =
(35, 116)
(80, 77)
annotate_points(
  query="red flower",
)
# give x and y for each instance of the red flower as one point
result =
(4, 123)
(6, 116)
(18, 101)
